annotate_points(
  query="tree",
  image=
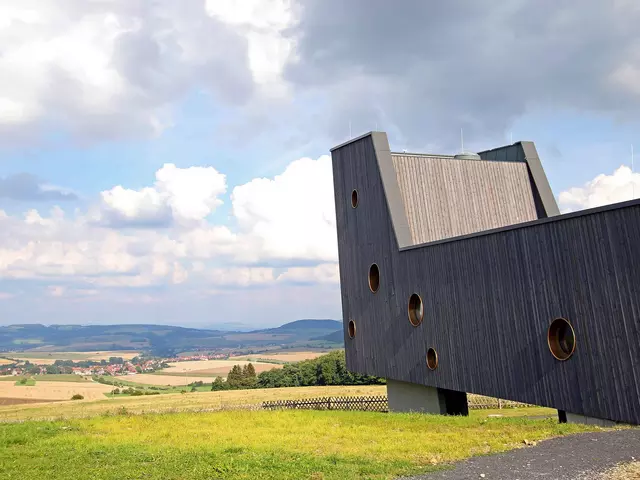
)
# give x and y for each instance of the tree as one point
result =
(218, 384)
(235, 377)
(330, 369)
(250, 377)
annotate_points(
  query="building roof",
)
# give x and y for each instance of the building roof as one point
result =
(446, 197)
(437, 197)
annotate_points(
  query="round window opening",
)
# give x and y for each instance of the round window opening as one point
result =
(432, 359)
(416, 310)
(352, 329)
(374, 278)
(354, 198)
(561, 339)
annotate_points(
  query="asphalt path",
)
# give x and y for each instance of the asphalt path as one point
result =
(574, 457)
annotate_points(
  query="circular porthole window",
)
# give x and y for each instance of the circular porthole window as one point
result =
(374, 278)
(351, 329)
(354, 198)
(416, 310)
(432, 359)
(561, 339)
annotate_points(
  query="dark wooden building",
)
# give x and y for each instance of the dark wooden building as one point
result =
(458, 273)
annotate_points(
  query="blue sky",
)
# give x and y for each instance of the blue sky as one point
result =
(150, 155)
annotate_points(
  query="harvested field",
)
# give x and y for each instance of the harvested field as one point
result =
(163, 380)
(48, 358)
(46, 378)
(47, 391)
(4, 361)
(283, 357)
(213, 368)
(22, 401)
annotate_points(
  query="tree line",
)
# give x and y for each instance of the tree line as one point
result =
(330, 369)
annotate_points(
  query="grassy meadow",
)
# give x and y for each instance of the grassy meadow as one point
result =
(258, 444)
(188, 402)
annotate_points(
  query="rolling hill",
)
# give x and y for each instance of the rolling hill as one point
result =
(160, 339)
(333, 337)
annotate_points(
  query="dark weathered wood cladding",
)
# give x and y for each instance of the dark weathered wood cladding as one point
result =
(489, 299)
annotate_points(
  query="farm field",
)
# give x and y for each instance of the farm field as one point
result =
(240, 444)
(188, 402)
(4, 361)
(211, 368)
(288, 357)
(51, 391)
(164, 380)
(47, 378)
(48, 358)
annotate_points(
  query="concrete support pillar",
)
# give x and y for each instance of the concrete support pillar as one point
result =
(411, 397)
(567, 417)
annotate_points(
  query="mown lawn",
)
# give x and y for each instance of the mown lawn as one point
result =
(257, 444)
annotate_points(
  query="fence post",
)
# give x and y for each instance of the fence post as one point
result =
(500, 403)
(328, 403)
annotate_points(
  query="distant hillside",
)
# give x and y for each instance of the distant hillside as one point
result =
(159, 339)
(334, 337)
(303, 325)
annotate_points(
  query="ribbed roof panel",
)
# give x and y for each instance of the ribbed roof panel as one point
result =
(446, 197)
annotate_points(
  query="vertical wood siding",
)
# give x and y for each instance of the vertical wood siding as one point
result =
(447, 197)
(489, 300)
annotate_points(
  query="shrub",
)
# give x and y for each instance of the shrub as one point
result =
(115, 391)
(77, 396)
(137, 393)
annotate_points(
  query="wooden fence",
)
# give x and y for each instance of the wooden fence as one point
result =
(375, 403)
(370, 404)
(479, 402)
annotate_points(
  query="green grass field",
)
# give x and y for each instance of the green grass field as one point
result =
(26, 382)
(161, 391)
(118, 382)
(258, 444)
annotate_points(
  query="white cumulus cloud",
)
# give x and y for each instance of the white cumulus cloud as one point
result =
(293, 214)
(179, 194)
(283, 233)
(621, 185)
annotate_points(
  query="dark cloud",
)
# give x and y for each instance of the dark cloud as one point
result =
(426, 68)
(27, 187)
